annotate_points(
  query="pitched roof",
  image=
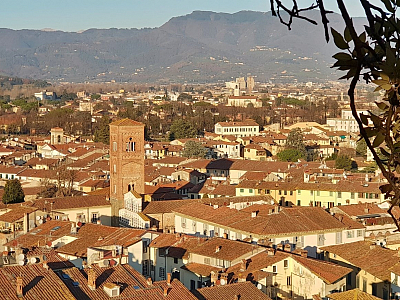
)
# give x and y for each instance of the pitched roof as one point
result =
(135, 285)
(38, 283)
(287, 221)
(71, 202)
(354, 294)
(126, 122)
(16, 214)
(364, 255)
(241, 290)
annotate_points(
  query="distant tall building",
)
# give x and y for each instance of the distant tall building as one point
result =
(126, 161)
(56, 136)
(242, 83)
(250, 84)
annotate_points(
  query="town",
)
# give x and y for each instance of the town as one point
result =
(238, 190)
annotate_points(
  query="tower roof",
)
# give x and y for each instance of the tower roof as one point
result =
(126, 122)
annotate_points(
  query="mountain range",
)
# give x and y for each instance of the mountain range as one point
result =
(199, 47)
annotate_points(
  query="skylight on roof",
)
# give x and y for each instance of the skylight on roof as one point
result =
(55, 228)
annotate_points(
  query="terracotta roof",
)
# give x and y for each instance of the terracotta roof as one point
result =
(54, 261)
(363, 255)
(299, 220)
(354, 294)
(361, 209)
(135, 285)
(38, 283)
(200, 269)
(71, 202)
(242, 290)
(224, 190)
(328, 272)
(16, 214)
(48, 231)
(126, 122)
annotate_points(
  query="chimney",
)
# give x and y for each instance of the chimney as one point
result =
(149, 281)
(241, 278)
(45, 265)
(177, 236)
(271, 251)
(303, 253)
(366, 210)
(168, 278)
(372, 246)
(215, 206)
(91, 279)
(165, 291)
(243, 265)
(279, 247)
(287, 248)
(217, 248)
(254, 214)
(20, 293)
(98, 222)
(225, 236)
(214, 277)
(340, 218)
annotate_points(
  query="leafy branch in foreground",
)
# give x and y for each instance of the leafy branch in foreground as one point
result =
(372, 56)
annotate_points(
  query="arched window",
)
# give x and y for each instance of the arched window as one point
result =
(58, 139)
(130, 145)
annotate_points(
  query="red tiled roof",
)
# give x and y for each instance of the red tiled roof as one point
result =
(126, 122)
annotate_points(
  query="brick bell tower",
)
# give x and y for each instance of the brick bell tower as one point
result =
(126, 161)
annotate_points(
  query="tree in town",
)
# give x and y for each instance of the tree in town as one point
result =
(102, 131)
(181, 129)
(343, 162)
(372, 56)
(361, 148)
(295, 141)
(194, 149)
(290, 155)
(13, 192)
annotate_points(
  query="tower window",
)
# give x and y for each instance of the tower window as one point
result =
(130, 145)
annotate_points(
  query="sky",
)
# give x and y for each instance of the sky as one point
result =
(76, 15)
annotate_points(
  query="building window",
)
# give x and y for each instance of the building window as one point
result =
(338, 238)
(364, 286)
(298, 202)
(183, 222)
(291, 193)
(311, 193)
(251, 191)
(192, 284)
(321, 239)
(175, 260)
(350, 234)
(285, 263)
(95, 217)
(161, 273)
(352, 195)
(130, 145)
(145, 267)
(318, 193)
(339, 194)
(330, 194)
(360, 233)
(242, 190)
(299, 192)
(194, 226)
(288, 281)
(274, 269)
(207, 261)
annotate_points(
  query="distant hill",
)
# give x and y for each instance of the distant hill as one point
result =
(200, 47)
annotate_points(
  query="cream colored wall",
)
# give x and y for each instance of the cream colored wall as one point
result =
(103, 211)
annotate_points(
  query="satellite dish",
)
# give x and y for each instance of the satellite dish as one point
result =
(259, 286)
(223, 282)
(38, 218)
(35, 260)
(40, 221)
(21, 262)
(20, 257)
(106, 263)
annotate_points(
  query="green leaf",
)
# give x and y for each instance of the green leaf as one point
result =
(388, 6)
(339, 41)
(364, 119)
(347, 35)
(384, 152)
(382, 105)
(350, 74)
(342, 56)
(378, 140)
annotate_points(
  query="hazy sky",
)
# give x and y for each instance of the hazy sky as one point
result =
(74, 15)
